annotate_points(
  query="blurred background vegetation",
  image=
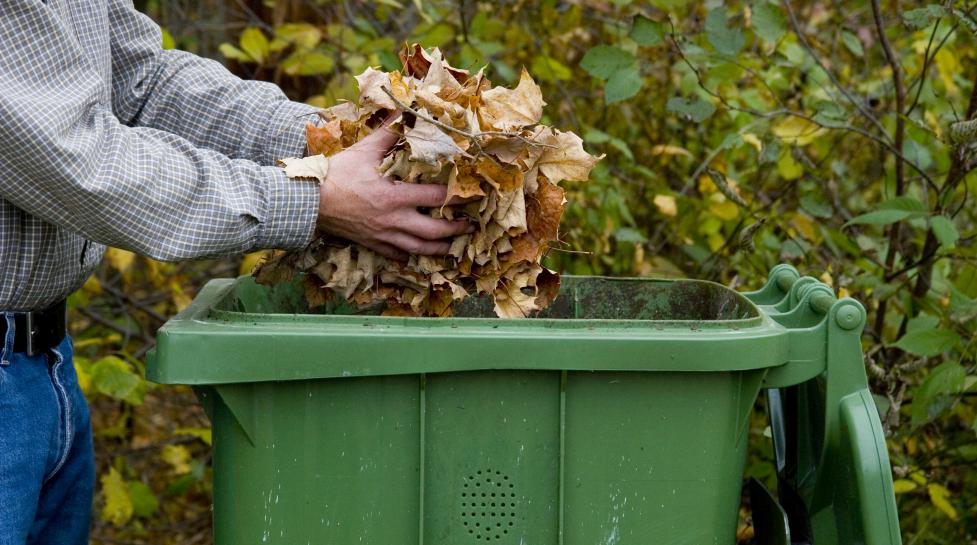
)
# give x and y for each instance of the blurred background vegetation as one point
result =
(836, 136)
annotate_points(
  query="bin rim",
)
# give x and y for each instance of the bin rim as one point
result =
(202, 346)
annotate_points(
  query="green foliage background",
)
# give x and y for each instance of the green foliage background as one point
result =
(837, 136)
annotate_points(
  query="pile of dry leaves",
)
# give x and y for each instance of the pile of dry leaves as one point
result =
(485, 143)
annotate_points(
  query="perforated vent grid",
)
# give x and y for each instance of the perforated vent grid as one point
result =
(488, 504)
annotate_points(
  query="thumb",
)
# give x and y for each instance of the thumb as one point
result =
(383, 138)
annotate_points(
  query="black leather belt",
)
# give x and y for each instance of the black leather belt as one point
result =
(37, 331)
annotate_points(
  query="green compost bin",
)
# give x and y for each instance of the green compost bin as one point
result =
(619, 416)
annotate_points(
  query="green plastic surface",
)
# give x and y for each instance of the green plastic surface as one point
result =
(617, 417)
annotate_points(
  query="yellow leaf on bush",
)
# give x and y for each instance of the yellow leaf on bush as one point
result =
(806, 227)
(92, 286)
(665, 149)
(901, 486)
(118, 504)
(788, 168)
(797, 131)
(119, 259)
(752, 140)
(716, 242)
(948, 65)
(84, 377)
(939, 497)
(181, 299)
(666, 205)
(178, 457)
(204, 434)
(722, 208)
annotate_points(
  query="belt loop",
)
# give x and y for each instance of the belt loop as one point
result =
(8, 341)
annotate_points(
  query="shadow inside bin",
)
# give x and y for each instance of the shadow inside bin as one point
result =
(589, 298)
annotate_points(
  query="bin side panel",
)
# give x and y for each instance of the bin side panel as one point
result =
(333, 461)
(654, 456)
(492, 447)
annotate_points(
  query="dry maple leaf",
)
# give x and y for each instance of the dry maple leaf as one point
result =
(508, 109)
(326, 139)
(482, 142)
(429, 144)
(314, 167)
(564, 158)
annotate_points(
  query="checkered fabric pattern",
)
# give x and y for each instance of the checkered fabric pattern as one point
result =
(107, 139)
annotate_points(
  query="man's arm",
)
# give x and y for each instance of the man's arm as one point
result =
(65, 158)
(198, 98)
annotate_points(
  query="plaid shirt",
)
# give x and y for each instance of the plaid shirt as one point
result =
(107, 139)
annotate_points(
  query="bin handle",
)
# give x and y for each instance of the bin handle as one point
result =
(820, 301)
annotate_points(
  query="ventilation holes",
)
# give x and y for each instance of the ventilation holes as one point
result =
(488, 504)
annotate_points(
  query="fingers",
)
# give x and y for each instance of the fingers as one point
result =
(462, 200)
(414, 245)
(421, 195)
(379, 141)
(387, 251)
(425, 227)
(391, 118)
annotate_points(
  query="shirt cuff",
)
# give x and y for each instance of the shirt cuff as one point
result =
(285, 136)
(291, 208)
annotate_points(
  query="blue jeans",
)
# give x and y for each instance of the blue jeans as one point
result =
(47, 464)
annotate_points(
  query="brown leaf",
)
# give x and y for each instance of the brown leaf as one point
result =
(457, 292)
(372, 97)
(511, 302)
(416, 62)
(346, 277)
(315, 292)
(510, 109)
(511, 213)
(325, 140)
(315, 167)
(429, 144)
(544, 210)
(458, 246)
(547, 288)
(274, 272)
(503, 177)
(565, 159)
(438, 79)
(399, 310)
(347, 111)
(438, 303)
(503, 148)
(464, 184)
(397, 165)
(525, 248)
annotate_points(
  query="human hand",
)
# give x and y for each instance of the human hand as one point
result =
(358, 204)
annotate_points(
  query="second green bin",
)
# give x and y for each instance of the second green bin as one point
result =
(617, 417)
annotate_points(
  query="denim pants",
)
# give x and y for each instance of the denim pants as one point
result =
(47, 470)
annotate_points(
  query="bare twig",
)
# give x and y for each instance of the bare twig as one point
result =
(927, 60)
(834, 80)
(474, 138)
(900, 91)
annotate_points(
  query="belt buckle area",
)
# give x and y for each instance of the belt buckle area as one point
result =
(30, 345)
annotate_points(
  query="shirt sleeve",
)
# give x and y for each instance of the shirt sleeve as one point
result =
(198, 98)
(66, 158)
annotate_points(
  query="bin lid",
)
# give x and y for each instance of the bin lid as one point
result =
(239, 331)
